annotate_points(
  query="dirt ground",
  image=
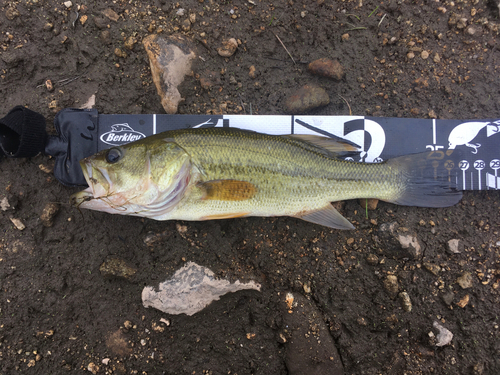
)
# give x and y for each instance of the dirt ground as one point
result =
(60, 314)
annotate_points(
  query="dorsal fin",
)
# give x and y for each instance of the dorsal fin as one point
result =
(338, 146)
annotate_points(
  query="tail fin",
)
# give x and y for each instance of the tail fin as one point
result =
(427, 185)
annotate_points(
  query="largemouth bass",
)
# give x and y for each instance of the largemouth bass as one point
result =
(219, 173)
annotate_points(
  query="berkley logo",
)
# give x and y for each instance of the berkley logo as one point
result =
(121, 134)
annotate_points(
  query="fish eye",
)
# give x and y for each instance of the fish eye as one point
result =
(114, 155)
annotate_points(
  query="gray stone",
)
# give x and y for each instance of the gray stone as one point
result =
(465, 281)
(455, 246)
(190, 290)
(391, 285)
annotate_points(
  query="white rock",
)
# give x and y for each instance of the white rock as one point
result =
(444, 336)
(190, 290)
(68, 4)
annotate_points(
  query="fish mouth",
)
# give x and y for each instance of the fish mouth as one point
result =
(99, 184)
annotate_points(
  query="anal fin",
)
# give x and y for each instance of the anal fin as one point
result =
(328, 217)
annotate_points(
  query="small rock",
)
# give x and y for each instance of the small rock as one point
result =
(326, 68)
(448, 298)
(120, 53)
(391, 285)
(306, 98)
(11, 13)
(105, 36)
(345, 37)
(111, 14)
(462, 23)
(432, 268)
(455, 246)
(464, 301)
(100, 22)
(18, 223)
(117, 267)
(130, 42)
(190, 290)
(465, 281)
(424, 55)
(68, 4)
(471, 30)
(170, 59)
(192, 17)
(93, 368)
(105, 361)
(411, 244)
(49, 212)
(444, 336)
(83, 19)
(229, 47)
(251, 72)
(405, 298)
(5, 205)
(370, 203)
(437, 58)
(372, 259)
(186, 25)
(180, 12)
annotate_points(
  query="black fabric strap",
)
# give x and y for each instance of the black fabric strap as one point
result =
(22, 133)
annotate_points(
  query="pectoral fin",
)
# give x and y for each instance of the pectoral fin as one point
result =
(328, 217)
(228, 190)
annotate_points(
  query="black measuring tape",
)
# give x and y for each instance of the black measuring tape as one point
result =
(467, 152)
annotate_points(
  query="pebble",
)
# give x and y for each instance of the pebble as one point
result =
(326, 68)
(444, 336)
(448, 298)
(432, 268)
(411, 244)
(306, 98)
(372, 259)
(251, 72)
(49, 85)
(49, 212)
(18, 223)
(465, 281)
(186, 25)
(120, 53)
(68, 4)
(93, 368)
(5, 205)
(228, 48)
(370, 203)
(11, 13)
(170, 58)
(117, 267)
(391, 285)
(424, 55)
(455, 246)
(464, 301)
(405, 298)
(111, 14)
(130, 42)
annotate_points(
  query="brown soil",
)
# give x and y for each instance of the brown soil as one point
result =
(402, 59)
